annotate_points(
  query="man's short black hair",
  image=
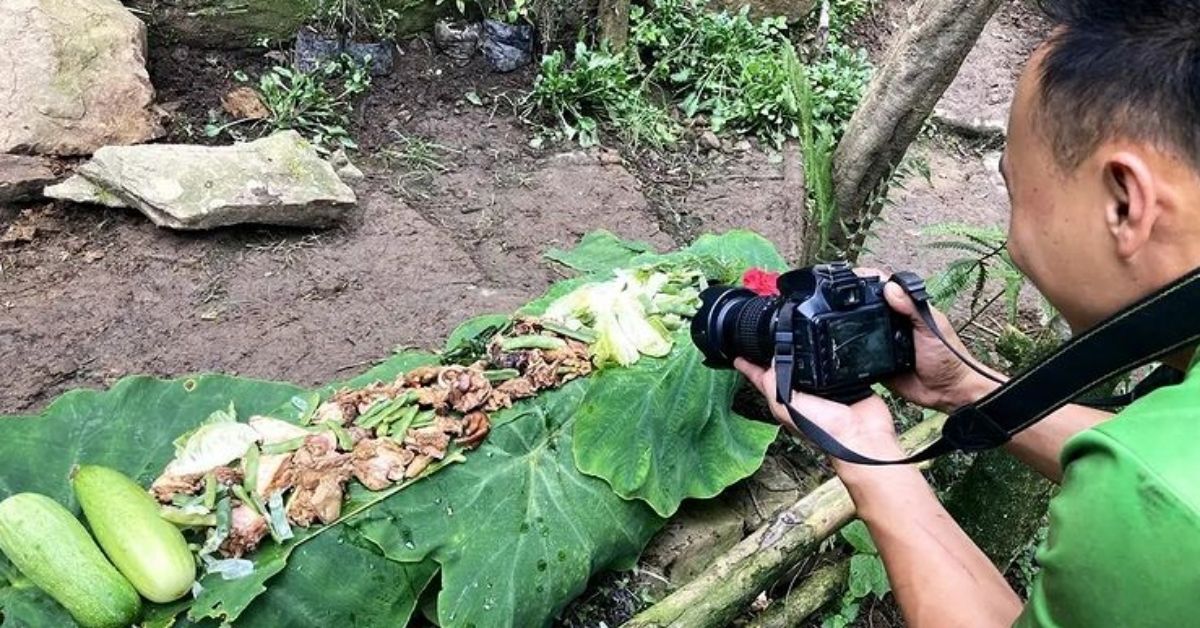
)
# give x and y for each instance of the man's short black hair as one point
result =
(1122, 68)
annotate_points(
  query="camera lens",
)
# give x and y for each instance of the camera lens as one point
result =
(733, 323)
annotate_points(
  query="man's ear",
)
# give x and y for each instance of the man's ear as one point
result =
(1132, 205)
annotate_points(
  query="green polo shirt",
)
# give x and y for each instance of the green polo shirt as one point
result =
(1124, 542)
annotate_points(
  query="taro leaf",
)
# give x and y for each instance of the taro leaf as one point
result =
(516, 529)
(662, 430)
(128, 428)
(383, 372)
(598, 251)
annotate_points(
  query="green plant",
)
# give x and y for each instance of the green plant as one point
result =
(868, 578)
(595, 90)
(354, 19)
(839, 78)
(986, 258)
(316, 104)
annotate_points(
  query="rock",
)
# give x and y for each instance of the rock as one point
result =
(243, 103)
(792, 10)
(345, 169)
(81, 80)
(277, 180)
(710, 141)
(79, 190)
(22, 177)
(457, 41)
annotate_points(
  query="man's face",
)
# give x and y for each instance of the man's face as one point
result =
(1057, 231)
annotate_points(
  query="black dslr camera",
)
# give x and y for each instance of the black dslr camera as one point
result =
(831, 327)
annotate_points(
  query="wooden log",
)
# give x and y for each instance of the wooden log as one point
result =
(734, 579)
(818, 589)
(613, 18)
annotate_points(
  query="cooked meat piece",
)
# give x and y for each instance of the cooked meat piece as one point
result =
(475, 429)
(246, 530)
(167, 486)
(517, 388)
(421, 376)
(509, 359)
(428, 441)
(418, 465)
(433, 397)
(542, 374)
(319, 474)
(379, 462)
(330, 411)
(469, 389)
(497, 401)
(449, 425)
(274, 474)
(227, 476)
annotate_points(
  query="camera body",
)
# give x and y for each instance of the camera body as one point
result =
(837, 328)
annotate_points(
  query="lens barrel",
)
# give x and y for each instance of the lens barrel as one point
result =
(734, 323)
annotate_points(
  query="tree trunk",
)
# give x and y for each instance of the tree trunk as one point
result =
(999, 503)
(919, 66)
(818, 589)
(614, 23)
(734, 579)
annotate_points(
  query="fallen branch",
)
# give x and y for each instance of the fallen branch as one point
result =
(734, 579)
(818, 589)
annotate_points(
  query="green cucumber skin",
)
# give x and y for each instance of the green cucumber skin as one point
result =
(147, 549)
(51, 548)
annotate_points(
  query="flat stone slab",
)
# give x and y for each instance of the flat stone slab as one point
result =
(276, 180)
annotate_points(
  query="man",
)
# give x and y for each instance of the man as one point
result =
(1103, 172)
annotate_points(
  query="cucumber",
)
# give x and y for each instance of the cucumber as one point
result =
(147, 549)
(54, 551)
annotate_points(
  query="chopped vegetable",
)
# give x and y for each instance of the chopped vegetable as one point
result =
(532, 341)
(501, 375)
(219, 441)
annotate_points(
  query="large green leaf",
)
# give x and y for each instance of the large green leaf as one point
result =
(598, 251)
(516, 529)
(662, 430)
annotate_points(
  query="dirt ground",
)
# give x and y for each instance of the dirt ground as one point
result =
(103, 293)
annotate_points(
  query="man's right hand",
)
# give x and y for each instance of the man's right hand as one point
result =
(941, 381)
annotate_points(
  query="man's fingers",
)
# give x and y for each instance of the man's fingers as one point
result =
(752, 371)
(899, 301)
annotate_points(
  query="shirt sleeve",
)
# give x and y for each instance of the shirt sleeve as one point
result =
(1122, 548)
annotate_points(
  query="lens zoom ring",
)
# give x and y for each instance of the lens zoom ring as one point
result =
(753, 327)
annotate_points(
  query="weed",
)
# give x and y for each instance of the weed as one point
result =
(732, 71)
(316, 104)
(416, 159)
(596, 90)
(867, 576)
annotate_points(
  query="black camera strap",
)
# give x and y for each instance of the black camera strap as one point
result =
(1132, 338)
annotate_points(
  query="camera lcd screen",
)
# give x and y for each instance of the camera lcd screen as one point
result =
(861, 346)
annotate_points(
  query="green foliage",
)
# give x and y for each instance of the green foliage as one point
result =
(722, 65)
(839, 79)
(316, 104)
(355, 19)
(984, 259)
(596, 89)
(726, 67)
(868, 578)
(521, 491)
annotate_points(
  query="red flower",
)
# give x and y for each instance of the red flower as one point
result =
(764, 283)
